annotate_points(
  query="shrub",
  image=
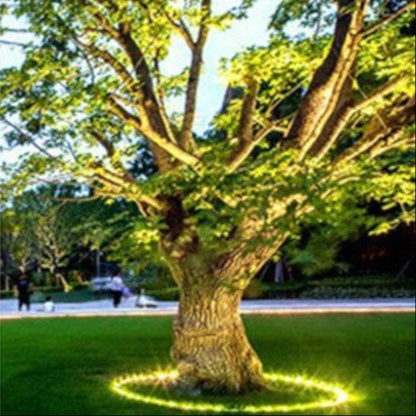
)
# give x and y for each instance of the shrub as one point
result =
(7, 294)
(170, 294)
(254, 290)
(343, 288)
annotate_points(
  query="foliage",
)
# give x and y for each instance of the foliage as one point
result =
(89, 104)
(347, 287)
(254, 290)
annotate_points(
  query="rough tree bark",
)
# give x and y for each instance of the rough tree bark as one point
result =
(210, 344)
(210, 347)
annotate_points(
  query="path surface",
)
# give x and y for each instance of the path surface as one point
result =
(8, 308)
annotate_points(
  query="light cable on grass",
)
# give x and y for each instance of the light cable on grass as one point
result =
(333, 395)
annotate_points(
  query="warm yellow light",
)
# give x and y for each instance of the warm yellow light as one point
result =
(337, 395)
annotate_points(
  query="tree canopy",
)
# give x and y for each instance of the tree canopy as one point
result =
(315, 125)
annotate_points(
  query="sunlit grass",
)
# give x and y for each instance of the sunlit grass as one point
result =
(66, 366)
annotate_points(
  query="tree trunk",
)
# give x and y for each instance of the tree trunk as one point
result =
(210, 343)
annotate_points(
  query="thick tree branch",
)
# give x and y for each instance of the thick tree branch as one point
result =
(396, 141)
(381, 131)
(161, 99)
(125, 115)
(329, 81)
(108, 58)
(137, 60)
(150, 112)
(171, 148)
(194, 76)
(152, 124)
(130, 83)
(243, 262)
(106, 144)
(255, 227)
(245, 129)
(117, 185)
(125, 177)
(321, 149)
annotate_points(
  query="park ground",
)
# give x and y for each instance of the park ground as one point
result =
(103, 307)
(65, 366)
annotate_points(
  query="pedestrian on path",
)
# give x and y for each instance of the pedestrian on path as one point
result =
(117, 286)
(23, 292)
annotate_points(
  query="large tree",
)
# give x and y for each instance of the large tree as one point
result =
(312, 125)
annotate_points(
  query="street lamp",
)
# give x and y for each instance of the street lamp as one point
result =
(97, 264)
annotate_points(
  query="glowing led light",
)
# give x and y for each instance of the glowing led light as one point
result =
(336, 395)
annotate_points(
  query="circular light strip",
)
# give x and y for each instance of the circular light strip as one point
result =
(339, 396)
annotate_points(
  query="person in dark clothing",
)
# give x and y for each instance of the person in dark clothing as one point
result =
(23, 290)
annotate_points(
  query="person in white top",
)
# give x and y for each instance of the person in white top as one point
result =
(117, 287)
(49, 306)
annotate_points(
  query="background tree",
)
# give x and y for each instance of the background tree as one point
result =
(43, 233)
(48, 228)
(308, 137)
(18, 245)
(56, 239)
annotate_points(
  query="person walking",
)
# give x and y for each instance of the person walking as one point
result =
(23, 292)
(117, 287)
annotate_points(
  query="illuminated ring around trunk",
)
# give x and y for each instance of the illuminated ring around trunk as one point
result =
(337, 395)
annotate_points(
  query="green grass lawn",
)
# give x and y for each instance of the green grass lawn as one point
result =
(64, 366)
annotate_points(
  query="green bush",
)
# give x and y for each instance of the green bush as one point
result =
(254, 290)
(364, 281)
(170, 294)
(38, 278)
(48, 289)
(343, 288)
(356, 292)
(284, 290)
(155, 277)
(328, 288)
(81, 286)
(7, 294)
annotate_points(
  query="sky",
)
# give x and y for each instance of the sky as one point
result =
(252, 31)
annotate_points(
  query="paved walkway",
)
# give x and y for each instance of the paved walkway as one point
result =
(8, 308)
